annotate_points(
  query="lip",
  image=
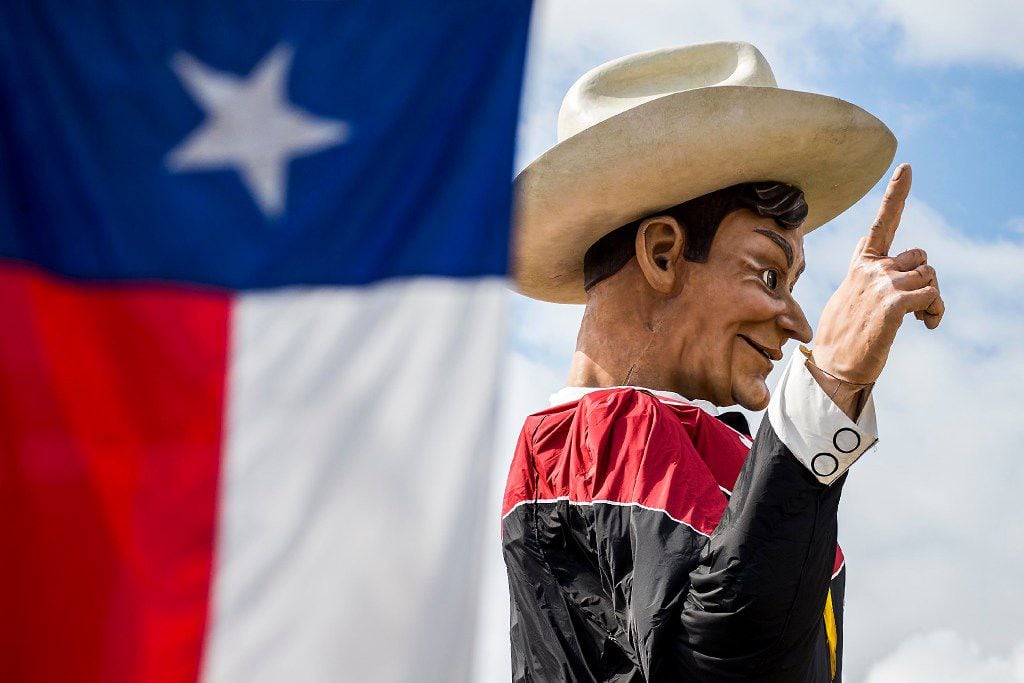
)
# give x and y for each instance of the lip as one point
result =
(769, 353)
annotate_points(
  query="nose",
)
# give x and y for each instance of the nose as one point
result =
(794, 323)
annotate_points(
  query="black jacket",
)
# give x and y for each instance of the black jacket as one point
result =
(629, 560)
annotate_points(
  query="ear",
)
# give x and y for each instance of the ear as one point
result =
(659, 246)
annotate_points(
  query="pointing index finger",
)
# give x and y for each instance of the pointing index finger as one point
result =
(888, 219)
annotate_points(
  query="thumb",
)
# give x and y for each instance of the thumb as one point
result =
(858, 250)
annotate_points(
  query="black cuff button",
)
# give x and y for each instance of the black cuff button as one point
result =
(825, 464)
(846, 440)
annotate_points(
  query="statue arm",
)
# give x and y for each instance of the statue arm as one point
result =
(753, 608)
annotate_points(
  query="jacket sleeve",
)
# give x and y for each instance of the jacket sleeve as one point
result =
(754, 604)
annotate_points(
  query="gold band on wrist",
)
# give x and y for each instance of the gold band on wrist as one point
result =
(859, 391)
(809, 355)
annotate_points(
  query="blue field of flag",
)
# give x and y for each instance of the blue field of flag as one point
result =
(254, 145)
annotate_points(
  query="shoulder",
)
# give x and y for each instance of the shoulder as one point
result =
(640, 449)
(559, 448)
(626, 446)
(627, 427)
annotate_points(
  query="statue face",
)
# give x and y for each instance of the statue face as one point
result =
(733, 313)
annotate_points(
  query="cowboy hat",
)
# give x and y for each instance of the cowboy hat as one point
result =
(646, 132)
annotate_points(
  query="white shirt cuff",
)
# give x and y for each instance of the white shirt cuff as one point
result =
(819, 434)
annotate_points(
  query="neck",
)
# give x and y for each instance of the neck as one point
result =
(618, 345)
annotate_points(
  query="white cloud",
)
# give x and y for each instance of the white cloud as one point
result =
(953, 32)
(943, 656)
(545, 331)
(932, 32)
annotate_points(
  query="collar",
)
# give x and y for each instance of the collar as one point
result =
(570, 394)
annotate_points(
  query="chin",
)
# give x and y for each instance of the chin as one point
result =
(752, 398)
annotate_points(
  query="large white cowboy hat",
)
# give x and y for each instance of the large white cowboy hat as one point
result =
(645, 132)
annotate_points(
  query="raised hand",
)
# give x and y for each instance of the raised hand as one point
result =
(860, 321)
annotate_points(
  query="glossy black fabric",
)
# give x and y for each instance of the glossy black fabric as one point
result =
(612, 592)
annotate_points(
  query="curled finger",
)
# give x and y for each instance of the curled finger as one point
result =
(932, 315)
(910, 259)
(919, 300)
(919, 277)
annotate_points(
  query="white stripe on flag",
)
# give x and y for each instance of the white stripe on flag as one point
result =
(357, 454)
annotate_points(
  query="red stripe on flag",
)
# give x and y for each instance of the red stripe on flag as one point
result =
(111, 403)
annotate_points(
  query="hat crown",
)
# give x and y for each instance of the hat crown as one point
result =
(621, 84)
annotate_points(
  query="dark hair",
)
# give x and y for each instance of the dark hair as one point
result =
(700, 218)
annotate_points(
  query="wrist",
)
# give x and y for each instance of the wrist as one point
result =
(833, 363)
(850, 397)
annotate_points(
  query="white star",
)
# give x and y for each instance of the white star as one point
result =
(250, 126)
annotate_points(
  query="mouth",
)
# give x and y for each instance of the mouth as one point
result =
(770, 354)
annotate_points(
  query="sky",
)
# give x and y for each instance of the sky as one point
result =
(931, 523)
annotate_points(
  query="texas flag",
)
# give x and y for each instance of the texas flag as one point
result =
(252, 261)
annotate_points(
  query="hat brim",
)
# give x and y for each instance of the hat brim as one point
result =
(679, 147)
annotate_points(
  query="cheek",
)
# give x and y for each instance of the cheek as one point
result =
(758, 305)
(747, 365)
(747, 302)
(738, 367)
(743, 358)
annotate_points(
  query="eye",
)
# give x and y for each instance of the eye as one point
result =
(770, 278)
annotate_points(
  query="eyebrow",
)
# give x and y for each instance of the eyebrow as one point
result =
(778, 239)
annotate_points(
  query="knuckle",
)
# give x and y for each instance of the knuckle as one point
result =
(893, 314)
(862, 268)
(879, 268)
